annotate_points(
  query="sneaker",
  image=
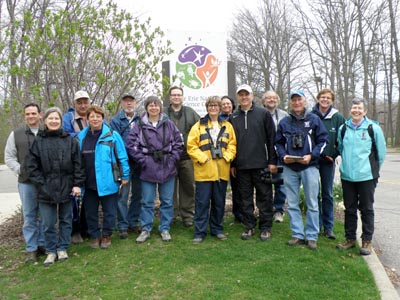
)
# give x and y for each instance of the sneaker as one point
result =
(265, 235)
(62, 255)
(366, 248)
(348, 244)
(31, 257)
(76, 238)
(50, 259)
(105, 242)
(144, 236)
(312, 245)
(165, 236)
(278, 217)
(197, 240)
(135, 229)
(248, 233)
(95, 243)
(123, 234)
(221, 237)
(329, 234)
(296, 242)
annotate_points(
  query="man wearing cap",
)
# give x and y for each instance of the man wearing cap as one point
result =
(128, 218)
(73, 122)
(255, 134)
(300, 139)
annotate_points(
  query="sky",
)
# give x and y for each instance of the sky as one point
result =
(189, 15)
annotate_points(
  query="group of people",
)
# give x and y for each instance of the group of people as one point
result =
(72, 164)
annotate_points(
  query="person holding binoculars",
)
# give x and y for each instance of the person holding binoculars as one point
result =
(212, 146)
(300, 139)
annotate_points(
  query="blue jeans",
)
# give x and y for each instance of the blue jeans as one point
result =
(50, 213)
(33, 224)
(108, 203)
(279, 194)
(309, 178)
(209, 192)
(325, 199)
(166, 194)
(129, 217)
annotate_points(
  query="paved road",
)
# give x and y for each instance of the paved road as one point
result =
(387, 212)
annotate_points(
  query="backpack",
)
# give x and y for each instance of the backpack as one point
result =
(371, 134)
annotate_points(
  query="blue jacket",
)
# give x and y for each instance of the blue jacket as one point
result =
(358, 164)
(105, 157)
(68, 122)
(315, 140)
(121, 124)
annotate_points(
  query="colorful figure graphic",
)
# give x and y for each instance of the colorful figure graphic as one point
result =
(197, 67)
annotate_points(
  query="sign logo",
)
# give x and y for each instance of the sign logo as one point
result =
(197, 67)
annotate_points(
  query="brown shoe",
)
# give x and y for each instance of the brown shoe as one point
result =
(366, 248)
(105, 242)
(296, 242)
(31, 257)
(312, 245)
(95, 243)
(348, 244)
(76, 238)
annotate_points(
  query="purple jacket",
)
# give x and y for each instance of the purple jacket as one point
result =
(156, 149)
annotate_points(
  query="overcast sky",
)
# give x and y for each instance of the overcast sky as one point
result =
(189, 15)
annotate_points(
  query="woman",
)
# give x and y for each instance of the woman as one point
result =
(54, 166)
(363, 149)
(211, 146)
(107, 171)
(227, 106)
(155, 144)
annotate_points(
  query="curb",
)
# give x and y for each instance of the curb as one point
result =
(383, 283)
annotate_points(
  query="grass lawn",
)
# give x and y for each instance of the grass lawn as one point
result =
(232, 269)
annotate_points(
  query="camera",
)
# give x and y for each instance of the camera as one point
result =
(297, 141)
(157, 155)
(216, 152)
(267, 176)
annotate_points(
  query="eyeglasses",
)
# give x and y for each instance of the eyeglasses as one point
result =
(176, 95)
(212, 105)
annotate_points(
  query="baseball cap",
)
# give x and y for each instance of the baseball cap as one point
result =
(244, 87)
(128, 95)
(81, 94)
(296, 92)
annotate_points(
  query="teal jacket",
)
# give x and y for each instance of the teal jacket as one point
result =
(105, 156)
(358, 163)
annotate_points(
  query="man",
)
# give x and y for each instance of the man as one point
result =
(73, 122)
(15, 154)
(362, 146)
(332, 120)
(184, 118)
(271, 102)
(255, 133)
(128, 218)
(300, 140)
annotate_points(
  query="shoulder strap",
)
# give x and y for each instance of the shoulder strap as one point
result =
(343, 130)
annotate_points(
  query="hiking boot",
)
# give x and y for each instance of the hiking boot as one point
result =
(296, 242)
(50, 259)
(348, 244)
(165, 236)
(76, 238)
(95, 243)
(248, 233)
(144, 236)
(312, 245)
(62, 255)
(366, 248)
(329, 234)
(188, 223)
(105, 242)
(31, 257)
(278, 217)
(123, 234)
(265, 235)
(135, 229)
(197, 240)
(221, 237)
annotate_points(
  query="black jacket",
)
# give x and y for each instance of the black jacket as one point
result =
(54, 166)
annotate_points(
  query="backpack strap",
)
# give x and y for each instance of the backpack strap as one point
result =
(374, 150)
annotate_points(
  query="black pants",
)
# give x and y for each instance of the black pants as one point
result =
(359, 195)
(79, 224)
(247, 181)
